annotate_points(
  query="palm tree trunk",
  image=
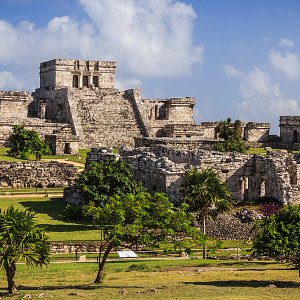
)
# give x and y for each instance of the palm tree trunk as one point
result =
(101, 264)
(204, 232)
(10, 274)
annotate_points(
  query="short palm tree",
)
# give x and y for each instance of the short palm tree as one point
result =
(21, 239)
(206, 195)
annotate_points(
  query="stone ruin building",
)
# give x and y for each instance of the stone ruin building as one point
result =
(248, 177)
(78, 106)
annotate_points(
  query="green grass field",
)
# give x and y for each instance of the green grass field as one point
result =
(48, 212)
(168, 279)
(77, 158)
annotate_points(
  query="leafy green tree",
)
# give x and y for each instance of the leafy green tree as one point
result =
(26, 142)
(124, 212)
(106, 179)
(232, 135)
(206, 196)
(278, 236)
(138, 219)
(21, 240)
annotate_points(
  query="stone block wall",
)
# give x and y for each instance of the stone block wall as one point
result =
(248, 177)
(257, 132)
(60, 73)
(14, 105)
(290, 129)
(36, 174)
(191, 144)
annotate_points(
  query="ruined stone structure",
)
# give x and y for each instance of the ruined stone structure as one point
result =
(290, 130)
(78, 106)
(248, 177)
(36, 174)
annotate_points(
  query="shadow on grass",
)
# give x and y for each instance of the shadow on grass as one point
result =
(67, 227)
(86, 287)
(248, 283)
(52, 207)
(245, 263)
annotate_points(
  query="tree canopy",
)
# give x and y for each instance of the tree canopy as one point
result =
(21, 239)
(279, 236)
(26, 142)
(106, 179)
(125, 213)
(232, 135)
(206, 195)
(139, 219)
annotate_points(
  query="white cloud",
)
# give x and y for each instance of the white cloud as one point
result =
(128, 83)
(261, 99)
(146, 38)
(286, 43)
(288, 63)
(154, 37)
(231, 71)
(9, 81)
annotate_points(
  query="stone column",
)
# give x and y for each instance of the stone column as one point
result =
(80, 81)
(90, 80)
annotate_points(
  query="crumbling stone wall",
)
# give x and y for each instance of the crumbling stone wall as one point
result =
(248, 177)
(36, 174)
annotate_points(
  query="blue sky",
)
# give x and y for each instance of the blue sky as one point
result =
(238, 58)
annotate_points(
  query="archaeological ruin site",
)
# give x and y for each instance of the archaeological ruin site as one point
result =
(78, 106)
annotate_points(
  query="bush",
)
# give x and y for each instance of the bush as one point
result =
(72, 213)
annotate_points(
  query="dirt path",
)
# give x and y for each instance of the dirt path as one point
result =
(64, 161)
(35, 195)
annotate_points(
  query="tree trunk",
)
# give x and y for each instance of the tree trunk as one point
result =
(101, 264)
(204, 232)
(10, 274)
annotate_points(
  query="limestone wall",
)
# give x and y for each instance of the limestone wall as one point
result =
(192, 144)
(36, 174)
(60, 73)
(257, 132)
(248, 177)
(290, 129)
(14, 104)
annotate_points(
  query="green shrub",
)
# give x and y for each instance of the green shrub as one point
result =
(72, 213)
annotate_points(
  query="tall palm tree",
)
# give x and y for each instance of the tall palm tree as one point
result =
(21, 239)
(206, 195)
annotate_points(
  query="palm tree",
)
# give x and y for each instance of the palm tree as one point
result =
(206, 195)
(21, 239)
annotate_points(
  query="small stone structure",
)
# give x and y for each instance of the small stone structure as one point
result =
(248, 177)
(290, 131)
(36, 174)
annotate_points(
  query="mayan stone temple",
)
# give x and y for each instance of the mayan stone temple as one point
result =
(78, 106)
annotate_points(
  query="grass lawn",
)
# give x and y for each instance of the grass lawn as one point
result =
(47, 214)
(15, 191)
(169, 279)
(77, 158)
(262, 151)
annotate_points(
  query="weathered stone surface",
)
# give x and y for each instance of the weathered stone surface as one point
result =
(36, 174)
(248, 177)
(229, 227)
